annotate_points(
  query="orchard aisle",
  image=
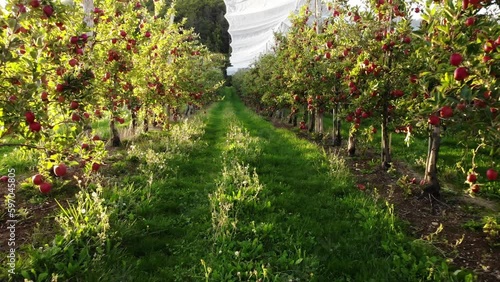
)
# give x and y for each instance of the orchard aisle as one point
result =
(309, 221)
(298, 217)
(172, 238)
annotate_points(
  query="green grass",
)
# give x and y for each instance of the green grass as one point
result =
(302, 219)
(309, 221)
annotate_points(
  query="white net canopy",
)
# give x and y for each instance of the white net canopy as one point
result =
(252, 24)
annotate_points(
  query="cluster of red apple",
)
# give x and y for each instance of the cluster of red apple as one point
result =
(358, 115)
(47, 10)
(33, 125)
(303, 125)
(491, 175)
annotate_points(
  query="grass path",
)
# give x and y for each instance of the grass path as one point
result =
(309, 222)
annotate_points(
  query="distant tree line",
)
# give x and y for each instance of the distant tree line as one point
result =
(207, 19)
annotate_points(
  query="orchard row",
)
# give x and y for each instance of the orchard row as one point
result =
(64, 66)
(372, 69)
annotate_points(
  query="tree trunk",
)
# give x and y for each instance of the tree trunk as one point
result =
(386, 144)
(319, 122)
(145, 125)
(134, 120)
(169, 112)
(281, 114)
(295, 118)
(386, 159)
(312, 121)
(351, 146)
(188, 111)
(431, 166)
(337, 138)
(155, 121)
(115, 136)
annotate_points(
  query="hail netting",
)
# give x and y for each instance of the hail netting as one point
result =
(252, 24)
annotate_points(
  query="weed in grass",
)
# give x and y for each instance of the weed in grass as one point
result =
(405, 183)
(237, 191)
(492, 229)
(85, 239)
(20, 159)
(240, 145)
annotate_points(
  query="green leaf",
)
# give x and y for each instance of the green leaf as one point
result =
(298, 261)
(466, 93)
(42, 276)
(25, 274)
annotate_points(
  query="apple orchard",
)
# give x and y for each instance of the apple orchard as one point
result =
(372, 70)
(64, 67)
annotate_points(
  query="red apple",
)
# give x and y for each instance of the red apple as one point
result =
(456, 59)
(461, 106)
(446, 112)
(96, 138)
(73, 62)
(73, 39)
(60, 170)
(86, 115)
(44, 96)
(472, 178)
(12, 98)
(60, 71)
(85, 146)
(470, 21)
(96, 166)
(74, 105)
(60, 87)
(433, 120)
(45, 188)
(84, 37)
(75, 117)
(475, 188)
(48, 11)
(461, 73)
(489, 46)
(491, 174)
(35, 127)
(30, 117)
(35, 3)
(328, 55)
(37, 179)
(147, 34)
(4, 179)
(497, 42)
(123, 33)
